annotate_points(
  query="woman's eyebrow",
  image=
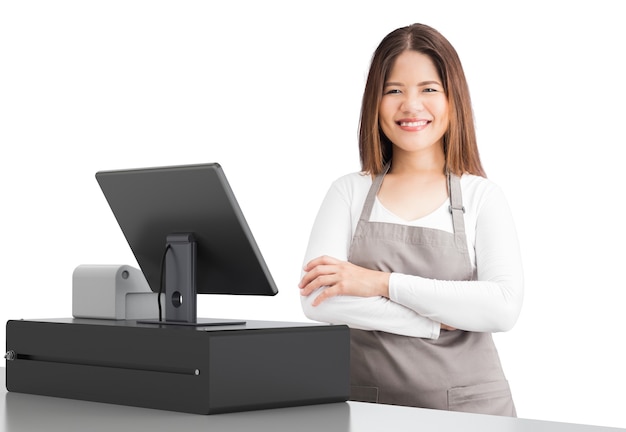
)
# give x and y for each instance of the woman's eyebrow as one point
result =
(423, 83)
(419, 84)
(391, 83)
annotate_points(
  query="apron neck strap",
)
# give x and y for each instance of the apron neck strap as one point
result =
(456, 207)
(371, 195)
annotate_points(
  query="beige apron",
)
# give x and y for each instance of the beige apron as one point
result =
(461, 370)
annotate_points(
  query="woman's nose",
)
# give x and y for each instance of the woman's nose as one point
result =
(412, 103)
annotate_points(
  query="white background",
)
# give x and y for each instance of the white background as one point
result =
(271, 90)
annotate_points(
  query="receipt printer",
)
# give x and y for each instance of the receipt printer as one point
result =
(117, 292)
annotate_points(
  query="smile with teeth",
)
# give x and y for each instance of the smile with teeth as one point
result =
(413, 123)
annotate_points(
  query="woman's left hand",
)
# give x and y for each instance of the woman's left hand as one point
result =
(342, 278)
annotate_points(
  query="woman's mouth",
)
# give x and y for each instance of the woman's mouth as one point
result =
(412, 125)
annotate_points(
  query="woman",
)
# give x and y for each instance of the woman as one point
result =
(418, 252)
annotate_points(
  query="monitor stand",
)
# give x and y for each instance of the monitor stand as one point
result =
(180, 285)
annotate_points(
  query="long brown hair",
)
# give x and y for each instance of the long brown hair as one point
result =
(459, 141)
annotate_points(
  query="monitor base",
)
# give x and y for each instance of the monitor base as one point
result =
(201, 322)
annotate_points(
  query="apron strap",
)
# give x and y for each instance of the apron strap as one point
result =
(371, 195)
(457, 210)
(456, 207)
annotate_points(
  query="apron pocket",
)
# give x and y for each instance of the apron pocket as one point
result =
(488, 398)
(364, 394)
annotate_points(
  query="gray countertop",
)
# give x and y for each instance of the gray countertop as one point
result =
(25, 412)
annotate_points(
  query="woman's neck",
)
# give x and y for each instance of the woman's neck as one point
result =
(427, 162)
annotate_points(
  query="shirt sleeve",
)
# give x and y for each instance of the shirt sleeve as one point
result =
(493, 301)
(331, 235)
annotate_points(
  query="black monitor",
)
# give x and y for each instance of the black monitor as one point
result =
(189, 236)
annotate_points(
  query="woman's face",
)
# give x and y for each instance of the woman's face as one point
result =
(413, 111)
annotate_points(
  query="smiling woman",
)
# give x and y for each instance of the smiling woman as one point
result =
(418, 252)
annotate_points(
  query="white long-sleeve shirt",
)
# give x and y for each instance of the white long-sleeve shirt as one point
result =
(416, 306)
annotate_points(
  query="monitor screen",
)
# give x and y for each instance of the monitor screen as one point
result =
(151, 204)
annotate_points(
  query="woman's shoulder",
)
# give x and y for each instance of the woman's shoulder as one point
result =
(471, 181)
(476, 190)
(352, 182)
(351, 189)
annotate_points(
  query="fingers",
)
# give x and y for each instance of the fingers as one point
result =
(321, 260)
(327, 272)
(319, 276)
(315, 268)
(325, 294)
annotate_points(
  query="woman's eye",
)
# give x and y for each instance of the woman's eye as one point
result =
(430, 90)
(392, 91)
